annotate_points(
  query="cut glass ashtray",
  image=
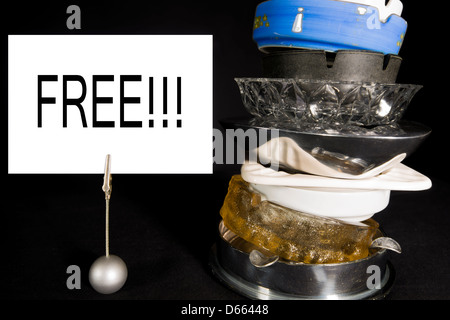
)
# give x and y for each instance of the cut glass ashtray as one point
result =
(299, 101)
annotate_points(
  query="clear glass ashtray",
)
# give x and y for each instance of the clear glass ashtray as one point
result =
(300, 101)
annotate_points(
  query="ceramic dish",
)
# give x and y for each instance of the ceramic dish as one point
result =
(349, 205)
(328, 25)
(399, 178)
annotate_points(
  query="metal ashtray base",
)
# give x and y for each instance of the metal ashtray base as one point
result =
(346, 281)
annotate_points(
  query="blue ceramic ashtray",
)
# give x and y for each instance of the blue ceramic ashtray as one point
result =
(330, 25)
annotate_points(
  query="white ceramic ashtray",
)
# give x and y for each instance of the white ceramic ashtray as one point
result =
(350, 205)
(286, 152)
(398, 178)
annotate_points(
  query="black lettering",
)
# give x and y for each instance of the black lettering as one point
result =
(76, 102)
(95, 100)
(44, 100)
(123, 100)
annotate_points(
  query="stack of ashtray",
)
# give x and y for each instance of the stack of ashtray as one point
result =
(297, 222)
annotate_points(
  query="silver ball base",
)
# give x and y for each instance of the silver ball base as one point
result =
(108, 274)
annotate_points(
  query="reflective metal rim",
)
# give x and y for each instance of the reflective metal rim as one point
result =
(254, 291)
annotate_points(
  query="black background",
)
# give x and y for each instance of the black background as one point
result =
(163, 226)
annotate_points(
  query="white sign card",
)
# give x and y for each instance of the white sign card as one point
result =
(144, 99)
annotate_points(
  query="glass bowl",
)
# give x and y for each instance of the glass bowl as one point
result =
(323, 102)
